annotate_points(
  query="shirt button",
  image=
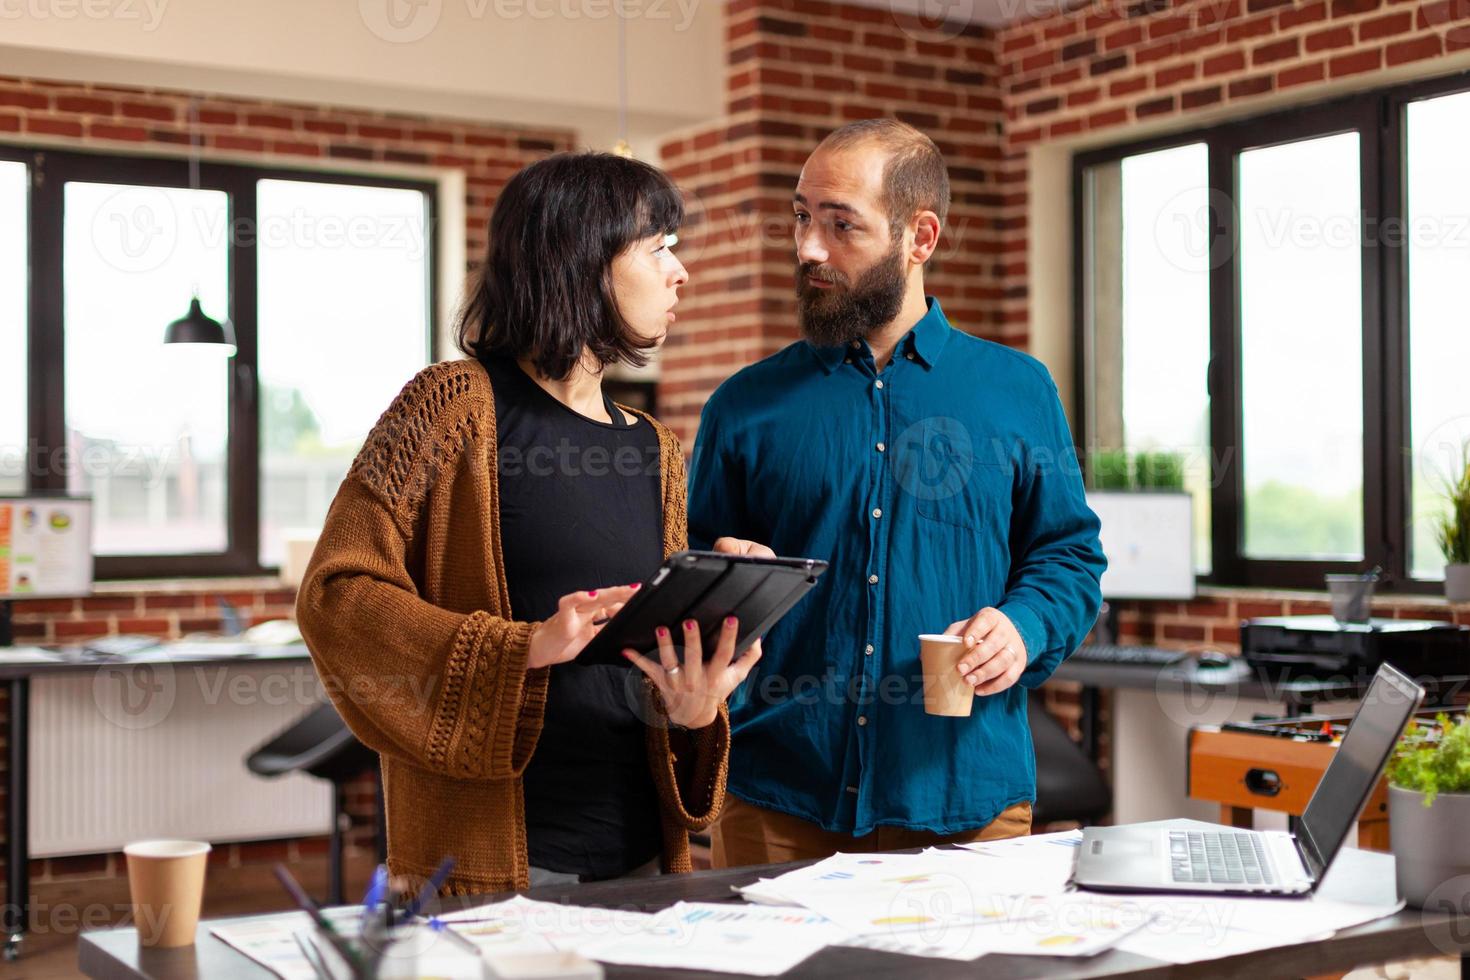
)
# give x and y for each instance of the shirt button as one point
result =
(847, 360)
(881, 447)
(909, 356)
(872, 580)
(878, 383)
(856, 344)
(868, 649)
(862, 720)
(852, 790)
(877, 512)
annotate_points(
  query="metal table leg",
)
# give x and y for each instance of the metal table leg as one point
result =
(17, 821)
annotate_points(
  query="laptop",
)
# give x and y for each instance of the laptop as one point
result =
(1252, 862)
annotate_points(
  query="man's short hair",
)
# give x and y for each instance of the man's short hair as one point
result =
(914, 177)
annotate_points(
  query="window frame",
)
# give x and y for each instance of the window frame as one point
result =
(49, 171)
(1380, 116)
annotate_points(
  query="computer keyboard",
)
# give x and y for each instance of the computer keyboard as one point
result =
(1113, 653)
(1220, 858)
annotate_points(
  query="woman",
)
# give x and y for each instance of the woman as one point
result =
(485, 531)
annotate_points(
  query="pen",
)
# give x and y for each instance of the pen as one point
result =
(430, 889)
(374, 893)
(311, 957)
(340, 944)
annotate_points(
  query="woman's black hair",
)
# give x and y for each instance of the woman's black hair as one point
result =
(544, 291)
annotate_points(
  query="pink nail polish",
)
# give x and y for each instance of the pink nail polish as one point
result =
(689, 625)
(663, 631)
(730, 621)
(592, 594)
(636, 586)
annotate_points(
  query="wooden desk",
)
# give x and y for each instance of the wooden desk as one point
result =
(114, 954)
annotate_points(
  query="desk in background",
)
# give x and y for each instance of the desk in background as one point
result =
(307, 806)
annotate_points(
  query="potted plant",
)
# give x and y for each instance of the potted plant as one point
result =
(1429, 810)
(1453, 532)
(1159, 471)
(1110, 470)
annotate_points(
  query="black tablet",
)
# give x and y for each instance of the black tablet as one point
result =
(705, 586)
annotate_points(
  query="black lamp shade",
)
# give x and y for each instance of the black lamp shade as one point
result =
(197, 328)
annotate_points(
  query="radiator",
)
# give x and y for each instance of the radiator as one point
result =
(149, 751)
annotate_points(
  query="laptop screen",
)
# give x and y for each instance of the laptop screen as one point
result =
(1353, 773)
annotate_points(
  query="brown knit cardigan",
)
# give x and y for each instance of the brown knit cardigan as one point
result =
(405, 610)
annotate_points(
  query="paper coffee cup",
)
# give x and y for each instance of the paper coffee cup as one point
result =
(946, 692)
(166, 878)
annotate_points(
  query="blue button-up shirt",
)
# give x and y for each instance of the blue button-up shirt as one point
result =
(946, 483)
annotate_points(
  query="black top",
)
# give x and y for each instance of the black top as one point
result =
(580, 508)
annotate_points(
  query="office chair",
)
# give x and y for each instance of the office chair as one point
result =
(1069, 785)
(320, 744)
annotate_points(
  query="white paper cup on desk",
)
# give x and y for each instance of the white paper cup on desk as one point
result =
(946, 692)
(166, 879)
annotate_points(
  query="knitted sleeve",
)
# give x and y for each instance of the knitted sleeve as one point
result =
(443, 690)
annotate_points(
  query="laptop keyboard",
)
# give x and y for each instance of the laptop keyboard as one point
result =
(1219, 858)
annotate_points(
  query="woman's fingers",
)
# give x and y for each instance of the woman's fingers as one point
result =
(725, 652)
(693, 654)
(589, 601)
(654, 671)
(667, 656)
(746, 664)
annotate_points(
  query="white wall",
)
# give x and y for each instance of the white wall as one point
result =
(537, 62)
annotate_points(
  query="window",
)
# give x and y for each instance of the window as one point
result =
(13, 305)
(1301, 328)
(147, 423)
(1438, 237)
(344, 293)
(1149, 337)
(1283, 299)
(195, 468)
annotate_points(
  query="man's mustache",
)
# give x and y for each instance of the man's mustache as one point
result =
(817, 271)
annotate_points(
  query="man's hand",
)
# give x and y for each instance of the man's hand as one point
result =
(996, 655)
(739, 546)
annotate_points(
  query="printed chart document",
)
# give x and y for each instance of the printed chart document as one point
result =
(731, 938)
(542, 925)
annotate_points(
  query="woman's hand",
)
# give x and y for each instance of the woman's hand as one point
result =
(693, 690)
(578, 618)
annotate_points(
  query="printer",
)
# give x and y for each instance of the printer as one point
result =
(1296, 647)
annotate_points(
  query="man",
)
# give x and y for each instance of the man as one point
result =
(936, 473)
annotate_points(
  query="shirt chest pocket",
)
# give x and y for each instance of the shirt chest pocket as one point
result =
(975, 495)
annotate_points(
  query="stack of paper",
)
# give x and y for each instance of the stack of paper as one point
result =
(542, 926)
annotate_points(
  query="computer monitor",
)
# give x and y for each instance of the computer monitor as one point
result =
(45, 550)
(1148, 537)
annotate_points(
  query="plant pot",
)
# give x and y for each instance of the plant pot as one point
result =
(1430, 847)
(1457, 583)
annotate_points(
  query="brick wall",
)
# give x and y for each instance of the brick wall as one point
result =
(1109, 64)
(796, 70)
(100, 118)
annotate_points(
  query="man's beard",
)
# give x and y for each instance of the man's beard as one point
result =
(848, 311)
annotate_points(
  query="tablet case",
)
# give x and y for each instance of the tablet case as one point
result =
(705, 586)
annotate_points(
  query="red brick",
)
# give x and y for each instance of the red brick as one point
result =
(1127, 86)
(1156, 52)
(109, 603)
(1184, 631)
(1170, 77)
(1167, 27)
(1333, 37)
(1154, 107)
(1107, 118)
(1201, 97)
(1125, 38)
(1347, 8)
(217, 117)
(1085, 96)
(149, 626)
(25, 100)
(1276, 51)
(54, 127)
(108, 131)
(1420, 48)
(1223, 63)
(1067, 127)
(84, 103)
(1302, 75)
(1252, 609)
(24, 607)
(1255, 85)
(325, 127)
(1246, 29)
(86, 629)
(1377, 28)
(157, 111)
(246, 144)
(1356, 64)
(154, 603)
(9, 124)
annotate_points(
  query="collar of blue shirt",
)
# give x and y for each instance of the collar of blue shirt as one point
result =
(926, 340)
